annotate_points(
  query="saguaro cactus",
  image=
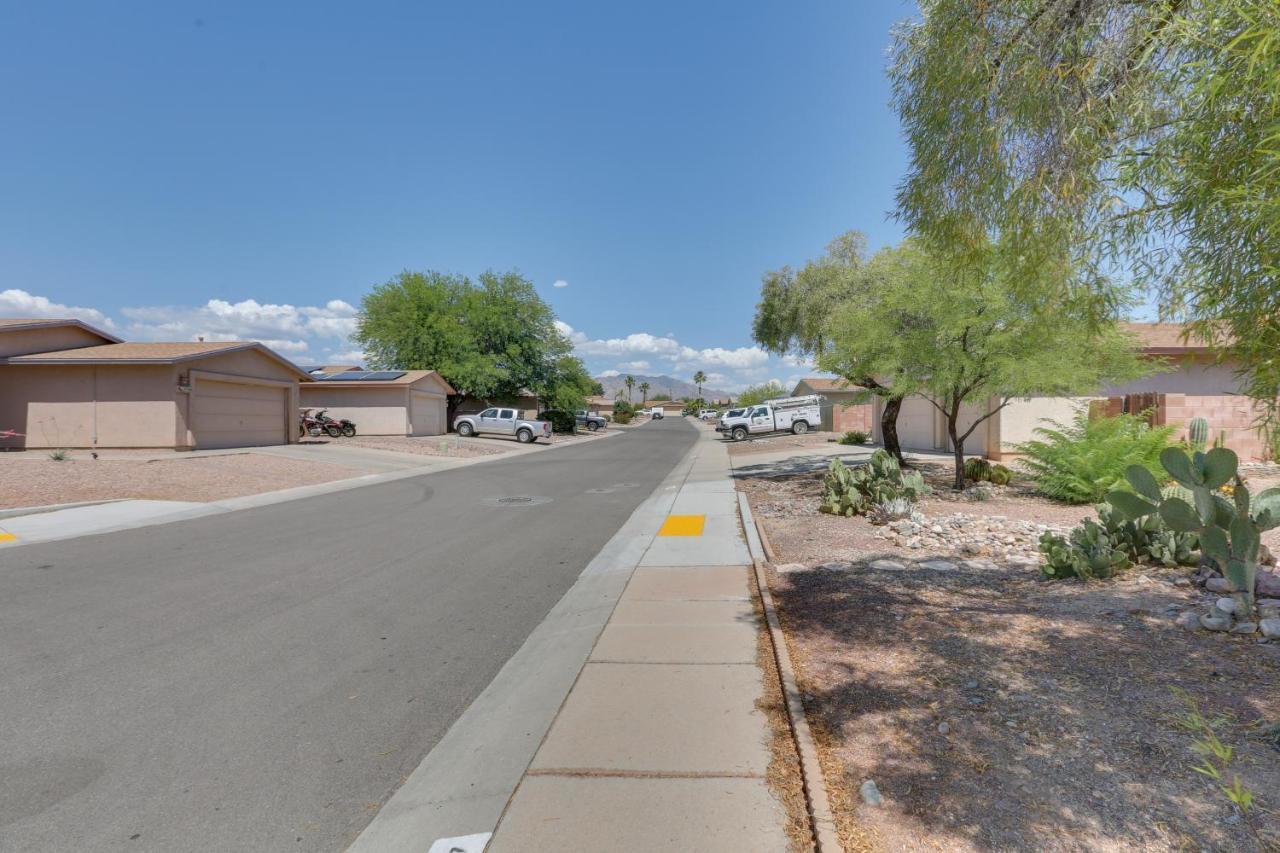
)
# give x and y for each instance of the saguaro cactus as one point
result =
(1198, 434)
(1229, 530)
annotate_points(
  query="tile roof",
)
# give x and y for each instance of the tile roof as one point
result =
(1164, 338)
(820, 383)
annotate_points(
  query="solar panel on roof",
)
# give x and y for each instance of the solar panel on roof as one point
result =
(382, 375)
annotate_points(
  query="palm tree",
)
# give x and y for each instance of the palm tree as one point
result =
(644, 391)
(629, 381)
(698, 379)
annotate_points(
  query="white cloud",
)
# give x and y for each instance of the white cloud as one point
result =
(354, 356)
(605, 374)
(740, 358)
(20, 303)
(560, 283)
(633, 366)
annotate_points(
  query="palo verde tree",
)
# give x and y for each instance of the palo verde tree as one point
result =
(753, 394)
(1142, 136)
(969, 342)
(494, 338)
(796, 306)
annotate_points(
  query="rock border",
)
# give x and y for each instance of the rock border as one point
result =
(821, 821)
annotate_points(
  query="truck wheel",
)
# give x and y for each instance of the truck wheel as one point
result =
(739, 433)
(465, 429)
(799, 428)
(524, 436)
(593, 426)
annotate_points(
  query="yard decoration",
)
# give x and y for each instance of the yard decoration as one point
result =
(1229, 531)
(854, 491)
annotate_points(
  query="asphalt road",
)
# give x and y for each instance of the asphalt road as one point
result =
(263, 680)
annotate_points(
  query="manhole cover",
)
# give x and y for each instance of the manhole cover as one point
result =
(517, 500)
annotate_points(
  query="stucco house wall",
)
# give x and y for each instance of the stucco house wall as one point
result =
(415, 405)
(67, 406)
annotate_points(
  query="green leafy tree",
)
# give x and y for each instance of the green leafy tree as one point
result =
(969, 342)
(597, 389)
(494, 338)
(754, 394)
(795, 308)
(644, 393)
(1138, 136)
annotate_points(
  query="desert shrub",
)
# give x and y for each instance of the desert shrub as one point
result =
(622, 417)
(976, 494)
(854, 491)
(623, 407)
(561, 421)
(60, 455)
(1081, 461)
(892, 510)
(854, 436)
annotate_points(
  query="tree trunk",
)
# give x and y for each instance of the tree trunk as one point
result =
(957, 450)
(452, 402)
(889, 427)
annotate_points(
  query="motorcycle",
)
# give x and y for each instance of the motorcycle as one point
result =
(311, 425)
(345, 427)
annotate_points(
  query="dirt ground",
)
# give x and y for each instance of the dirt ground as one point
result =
(998, 711)
(30, 482)
(771, 443)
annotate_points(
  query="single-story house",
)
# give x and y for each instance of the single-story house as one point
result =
(845, 407)
(669, 407)
(599, 405)
(64, 383)
(383, 402)
(1191, 381)
(527, 404)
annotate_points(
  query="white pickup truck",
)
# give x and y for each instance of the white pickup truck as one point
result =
(796, 415)
(500, 421)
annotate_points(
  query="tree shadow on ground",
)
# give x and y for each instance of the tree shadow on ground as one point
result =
(998, 711)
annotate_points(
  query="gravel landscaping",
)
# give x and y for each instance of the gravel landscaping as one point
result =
(996, 710)
(38, 482)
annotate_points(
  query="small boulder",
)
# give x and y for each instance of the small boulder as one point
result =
(938, 565)
(887, 565)
(1267, 585)
(1188, 620)
(1270, 628)
(1225, 605)
(1215, 620)
(870, 793)
(944, 728)
(1217, 584)
(1245, 628)
(791, 567)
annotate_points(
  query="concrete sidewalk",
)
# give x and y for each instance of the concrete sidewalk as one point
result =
(659, 745)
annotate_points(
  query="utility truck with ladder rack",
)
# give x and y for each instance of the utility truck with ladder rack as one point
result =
(796, 415)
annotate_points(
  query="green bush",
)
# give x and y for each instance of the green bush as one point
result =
(622, 417)
(854, 436)
(855, 491)
(561, 421)
(1080, 462)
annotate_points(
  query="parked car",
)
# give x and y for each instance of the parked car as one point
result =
(708, 415)
(785, 414)
(499, 421)
(589, 421)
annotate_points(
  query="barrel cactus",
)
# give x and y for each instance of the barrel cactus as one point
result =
(1229, 531)
(1198, 434)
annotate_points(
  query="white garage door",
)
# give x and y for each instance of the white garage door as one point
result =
(427, 414)
(237, 414)
(915, 424)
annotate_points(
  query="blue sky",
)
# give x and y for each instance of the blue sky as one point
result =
(249, 169)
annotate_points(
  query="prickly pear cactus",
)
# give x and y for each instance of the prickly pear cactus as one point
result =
(854, 491)
(1229, 531)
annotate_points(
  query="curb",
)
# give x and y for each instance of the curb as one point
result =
(821, 820)
(19, 511)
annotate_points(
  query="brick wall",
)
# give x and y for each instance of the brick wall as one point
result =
(845, 418)
(1229, 416)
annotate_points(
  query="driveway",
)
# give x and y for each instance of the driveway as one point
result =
(264, 680)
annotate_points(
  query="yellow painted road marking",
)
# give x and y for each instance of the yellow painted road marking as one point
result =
(6, 537)
(682, 525)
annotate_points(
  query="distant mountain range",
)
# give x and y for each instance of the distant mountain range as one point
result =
(676, 388)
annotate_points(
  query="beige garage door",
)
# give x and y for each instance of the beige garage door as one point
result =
(915, 424)
(237, 414)
(427, 414)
